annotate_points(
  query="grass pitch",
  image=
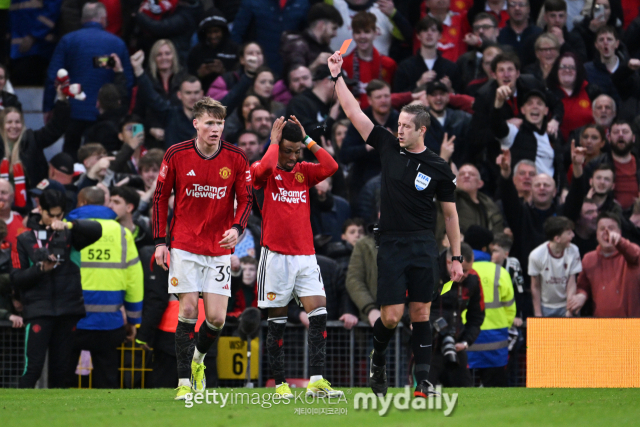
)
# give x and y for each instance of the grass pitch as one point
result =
(475, 407)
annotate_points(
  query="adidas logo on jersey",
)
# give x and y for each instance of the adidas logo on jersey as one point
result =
(191, 173)
(226, 287)
(278, 177)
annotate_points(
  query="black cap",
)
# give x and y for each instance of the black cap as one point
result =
(433, 86)
(321, 72)
(47, 184)
(533, 92)
(478, 237)
(63, 162)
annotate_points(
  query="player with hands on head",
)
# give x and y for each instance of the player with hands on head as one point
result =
(207, 174)
(412, 175)
(288, 267)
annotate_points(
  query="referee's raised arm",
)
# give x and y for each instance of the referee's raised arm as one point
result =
(348, 102)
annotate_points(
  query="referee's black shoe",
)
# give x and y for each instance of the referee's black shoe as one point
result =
(378, 378)
(425, 389)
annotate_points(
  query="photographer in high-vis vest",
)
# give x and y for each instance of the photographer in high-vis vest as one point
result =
(111, 280)
(489, 353)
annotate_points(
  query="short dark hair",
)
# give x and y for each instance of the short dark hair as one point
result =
(503, 240)
(607, 29)
(605, 167)
(420, 113)
(249, 260)
(363, 21)
(153, 159)
(607, 215)
(622, 122)
(352, 221)
(556, 225)
(428, 22)
(505, 57)
(484, 15)
(51, 198)
(258, 108)
(376, 84)
(109, 97)
(292, 132)
(89, 149)
(129, 118)
(129, 195)
(324, 12)
(555, 6)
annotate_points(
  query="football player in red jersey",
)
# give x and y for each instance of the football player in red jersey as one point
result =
(288, 268)
(207, 174)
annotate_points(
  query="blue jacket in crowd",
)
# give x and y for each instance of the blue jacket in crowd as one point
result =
(35, 19)
(75, 53)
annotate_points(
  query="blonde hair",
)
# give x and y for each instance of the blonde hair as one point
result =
(153, 67)
(548, 37)
(209, 106)
(13, 156)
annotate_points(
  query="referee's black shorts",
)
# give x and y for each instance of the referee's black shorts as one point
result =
(407, 262)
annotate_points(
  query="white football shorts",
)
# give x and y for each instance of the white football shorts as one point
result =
(199, 273)
(283, 277)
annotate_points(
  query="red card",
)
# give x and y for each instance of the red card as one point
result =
(345, 46)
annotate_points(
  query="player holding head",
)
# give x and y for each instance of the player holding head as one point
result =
(288, 268)
(411, 177)
(207, 174)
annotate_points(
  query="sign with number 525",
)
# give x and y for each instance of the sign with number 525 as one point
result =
(232, 358)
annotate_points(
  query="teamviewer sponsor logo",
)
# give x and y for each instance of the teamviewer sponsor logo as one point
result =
(290, 196)
(211, 192)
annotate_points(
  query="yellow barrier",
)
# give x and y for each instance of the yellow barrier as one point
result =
(583, 353)
(132, 369)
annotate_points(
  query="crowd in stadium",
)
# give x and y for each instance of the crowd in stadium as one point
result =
(535, 105)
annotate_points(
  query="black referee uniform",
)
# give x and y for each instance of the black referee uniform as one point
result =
(408, 254)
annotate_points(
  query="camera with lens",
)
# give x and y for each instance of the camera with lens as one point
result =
(56, 246)
(447, 341)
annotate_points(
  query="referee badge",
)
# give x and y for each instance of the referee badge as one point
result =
(422, 181)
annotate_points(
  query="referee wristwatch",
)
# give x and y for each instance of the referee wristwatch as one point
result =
(457, 258)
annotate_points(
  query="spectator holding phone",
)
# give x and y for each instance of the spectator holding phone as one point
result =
(75, 53)
(215, 52)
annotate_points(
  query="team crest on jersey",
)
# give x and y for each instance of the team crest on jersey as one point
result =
(225, 172)
(163, 171)
(422, 181)
(174, 281)
(271, 296)
(299, 177)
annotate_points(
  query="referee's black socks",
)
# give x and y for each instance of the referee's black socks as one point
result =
(381, 337)
(185, 345)
(317, 340)
(421, 344)
(275, 347)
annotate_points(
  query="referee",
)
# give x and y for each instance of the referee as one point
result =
(412, 176)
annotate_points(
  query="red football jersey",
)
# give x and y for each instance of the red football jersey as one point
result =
(205, 189)
(14, 228)
(286, 224)
(380, 67)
